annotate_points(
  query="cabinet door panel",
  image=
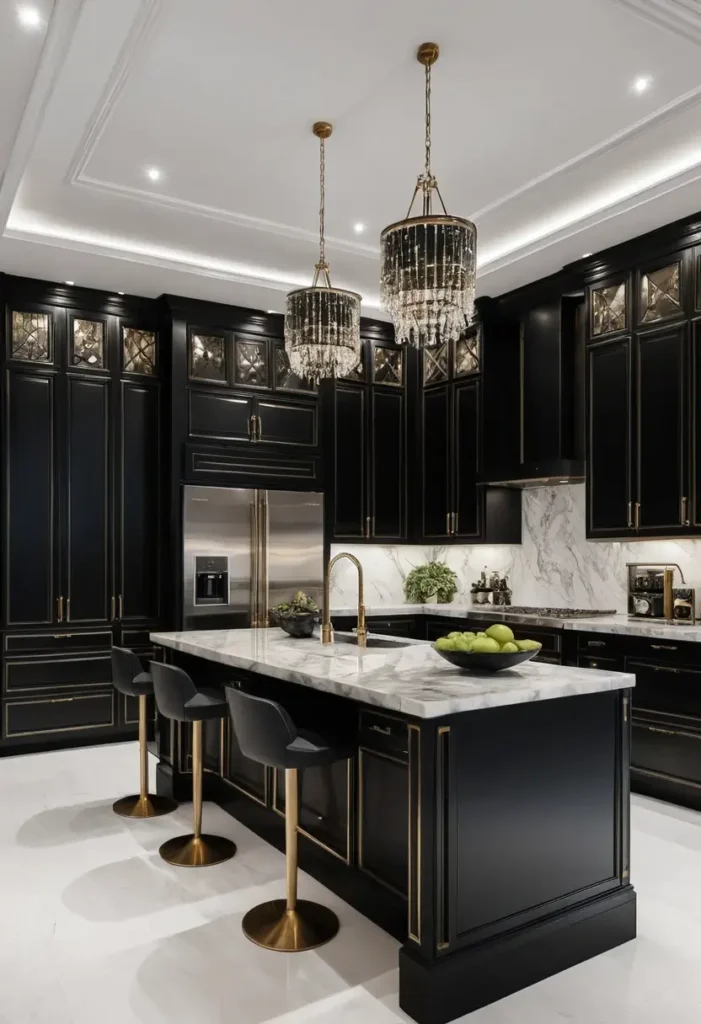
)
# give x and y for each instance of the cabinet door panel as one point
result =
(436, 462)
(388, 465)
(349, 460)
(695, 511)
(383, 844)
(468, 497)
(31, 499)
(609, 438)
(139, 534)
(285, 423)
(661, 425)
(87, 582)
(323, 804)
(219, 417)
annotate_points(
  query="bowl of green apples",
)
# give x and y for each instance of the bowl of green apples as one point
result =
(491, 651)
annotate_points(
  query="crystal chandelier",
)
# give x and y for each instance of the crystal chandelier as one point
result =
(322, 324)
(428, 262)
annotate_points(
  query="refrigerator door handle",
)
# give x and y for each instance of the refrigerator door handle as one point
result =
(255, 559)
(263, 569)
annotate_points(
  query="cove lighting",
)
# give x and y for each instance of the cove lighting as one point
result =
(641, 84)
(153, 173)
(29, 17)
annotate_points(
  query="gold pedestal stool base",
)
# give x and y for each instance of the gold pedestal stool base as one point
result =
(273, 926)
(144, 806)
(197, 851)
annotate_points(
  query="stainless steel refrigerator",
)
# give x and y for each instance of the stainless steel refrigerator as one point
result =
(246, 550)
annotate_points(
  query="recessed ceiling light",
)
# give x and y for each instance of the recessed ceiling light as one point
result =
(641, 84)
(29, 17)
(359, 228)
(70, 282)
(153, 173)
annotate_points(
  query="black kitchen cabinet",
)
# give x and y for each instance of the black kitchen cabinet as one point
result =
(453, 506)
(640, 435)
(324, 805)
(695, 511)
(369, 477)
(217, 416)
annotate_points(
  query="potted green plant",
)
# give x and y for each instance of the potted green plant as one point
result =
(298, 616)
(429, 583)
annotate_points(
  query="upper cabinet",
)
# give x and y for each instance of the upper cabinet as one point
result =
(232, 359)
(641, 395)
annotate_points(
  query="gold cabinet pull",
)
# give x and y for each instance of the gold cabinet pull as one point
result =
(386, 730)
(68, 609)
(455, 523)
(664, 647)
(121, 607)
(372, 526)
(62, 700)
(59, 612)
(630, 515)
(113, 609)
(637, 515)
(654, 728)
(448, 522)
(259, 428)
(367, 526)
(596, 643)
(249, 426)
(684, 512)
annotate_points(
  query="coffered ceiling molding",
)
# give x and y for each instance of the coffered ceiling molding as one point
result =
(680, 16)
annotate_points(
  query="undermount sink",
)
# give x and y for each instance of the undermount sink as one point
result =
(372, 641)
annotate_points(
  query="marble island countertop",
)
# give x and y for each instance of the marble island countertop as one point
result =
(412, 679)
(622, 625)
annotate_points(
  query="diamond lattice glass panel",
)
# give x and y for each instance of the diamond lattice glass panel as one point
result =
(358, 371)
(466, 358)
(208, 356)
(285, 378)
(388, 366)
(251, 363)
(30, 337)
(660, 293)
(88, 344)
(609, 309)
(139, 350)
(435, 363)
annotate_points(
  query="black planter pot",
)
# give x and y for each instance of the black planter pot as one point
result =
(298, 625)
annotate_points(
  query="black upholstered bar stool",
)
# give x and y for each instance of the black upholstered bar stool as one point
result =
(130, 679)
(266, 733)
(178, 698)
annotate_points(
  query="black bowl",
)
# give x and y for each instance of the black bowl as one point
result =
(298, 625)
(487, 662)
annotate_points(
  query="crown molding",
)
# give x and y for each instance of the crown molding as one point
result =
(59, 35)
(683, 17)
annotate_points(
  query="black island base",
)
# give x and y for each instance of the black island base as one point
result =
(493, 843)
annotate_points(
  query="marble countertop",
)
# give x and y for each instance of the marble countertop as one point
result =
(622, 625)
(413, 679)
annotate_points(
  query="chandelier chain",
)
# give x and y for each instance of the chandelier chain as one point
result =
(322, 204)
(427, 171)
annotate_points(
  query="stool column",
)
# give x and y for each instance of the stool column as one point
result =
(197, 779)
(291, 835)
(143, 749)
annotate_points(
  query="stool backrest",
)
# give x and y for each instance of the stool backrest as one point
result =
(173, 688)
(263, 728)
(126, 666)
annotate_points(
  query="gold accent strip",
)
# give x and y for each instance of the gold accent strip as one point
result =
(308, 835)
(443, 754)
(664, 775)
(668, 714)
(522, 389)
(626, 701)
(414, 879)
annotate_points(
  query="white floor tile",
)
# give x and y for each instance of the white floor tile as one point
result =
(97, 928)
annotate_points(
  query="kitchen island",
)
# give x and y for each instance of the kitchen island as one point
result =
(483, 821)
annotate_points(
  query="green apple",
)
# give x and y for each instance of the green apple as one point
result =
(454, 636)
(482, 635)
(445, 643)
(501, 633)
(484, 645)
(528, 645)
(468, 635)
(463, 643)
(509, 648)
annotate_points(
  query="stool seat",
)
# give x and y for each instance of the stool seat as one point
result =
(128, 674)
(142, 684)
(205, 704)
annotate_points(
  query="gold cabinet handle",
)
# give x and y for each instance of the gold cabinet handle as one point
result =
(68, 609)
(448, 522)
(113, 609)
(121, 607)
(249, 426)
(630, 515)
(667, 732)
(385, 730)
(684, 512)
(367, 527)
(455, 523)
(596, 643)
(59, 612)
(372, 525)
(62, 700)
(259, 428)
(637, 515)
(664, 647)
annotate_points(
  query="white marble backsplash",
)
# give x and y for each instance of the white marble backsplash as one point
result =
(555, 565)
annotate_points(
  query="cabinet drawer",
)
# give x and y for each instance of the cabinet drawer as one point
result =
(595, 661)
(595, 642)
(137, 638)
(393, 627)
(26, 676)
(665, 688)
(39, 643)
(675, 752)
(58, 714)
(384, 733)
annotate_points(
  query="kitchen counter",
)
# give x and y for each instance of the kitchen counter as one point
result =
(619, 624)
(412, 679)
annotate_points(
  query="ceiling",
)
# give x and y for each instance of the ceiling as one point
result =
(538, 135)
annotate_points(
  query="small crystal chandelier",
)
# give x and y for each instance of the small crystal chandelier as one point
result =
(428, 262)
(322, 324)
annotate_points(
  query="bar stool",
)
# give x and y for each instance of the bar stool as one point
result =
(266, 733)
(178, 698)
(130, 679)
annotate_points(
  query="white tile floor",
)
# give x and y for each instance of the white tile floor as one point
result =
(96, 929)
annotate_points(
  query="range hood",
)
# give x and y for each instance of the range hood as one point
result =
(536, 438)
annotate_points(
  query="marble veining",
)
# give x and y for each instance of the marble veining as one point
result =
(555, 565)
(413, 679)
